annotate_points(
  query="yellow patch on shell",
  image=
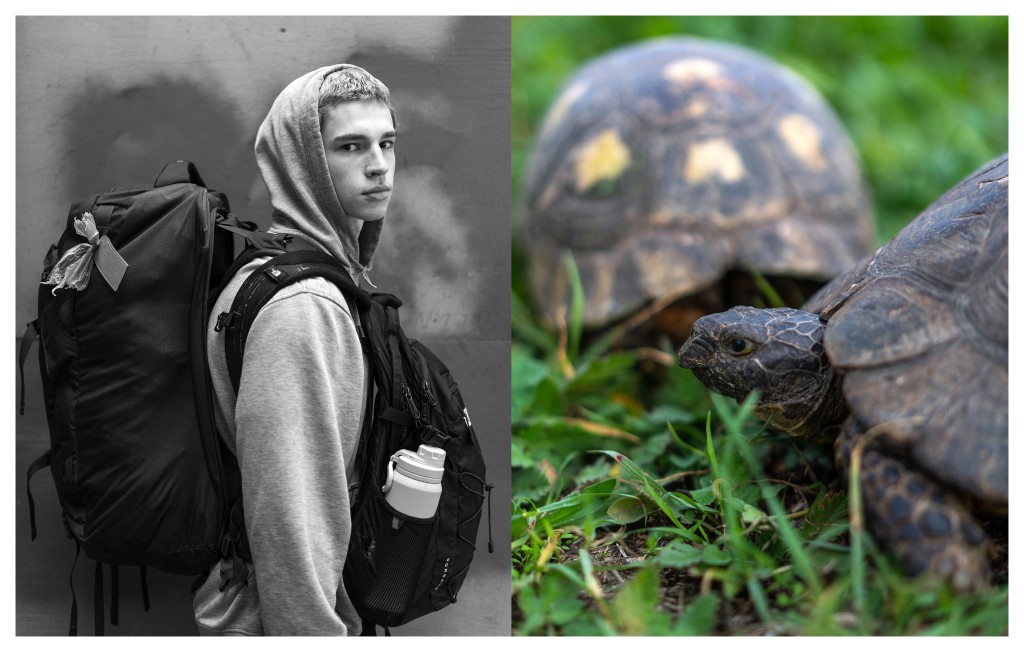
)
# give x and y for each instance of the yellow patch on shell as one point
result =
(662, 269)
(661, 217)
(715, 158)
(604, 158)
(696, 108)
(685, 72)
(562, 105)
(798, 253)
(759, 211)
(803, 139)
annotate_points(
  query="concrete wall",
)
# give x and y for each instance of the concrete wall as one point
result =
(106, 101)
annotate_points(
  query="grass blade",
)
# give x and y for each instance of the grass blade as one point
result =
(575, 325)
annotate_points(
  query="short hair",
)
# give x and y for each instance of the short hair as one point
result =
(353, 85)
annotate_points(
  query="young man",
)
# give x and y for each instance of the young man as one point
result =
(326, 153)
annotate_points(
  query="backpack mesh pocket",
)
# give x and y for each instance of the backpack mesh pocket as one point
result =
(395, 546)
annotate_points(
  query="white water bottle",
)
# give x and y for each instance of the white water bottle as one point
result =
(413, 484)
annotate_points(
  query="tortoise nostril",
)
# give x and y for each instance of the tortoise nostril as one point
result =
(696, 352)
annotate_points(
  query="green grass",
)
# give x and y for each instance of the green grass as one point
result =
(688, 518)
(644, 506)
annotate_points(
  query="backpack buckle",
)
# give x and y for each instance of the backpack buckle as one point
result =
(227, 545)
(227, 320)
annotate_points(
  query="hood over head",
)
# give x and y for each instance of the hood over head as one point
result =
(291, 158)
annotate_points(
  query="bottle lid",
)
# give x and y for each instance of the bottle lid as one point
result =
(425, 465)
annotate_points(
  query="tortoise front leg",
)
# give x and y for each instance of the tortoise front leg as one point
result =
(912, 517)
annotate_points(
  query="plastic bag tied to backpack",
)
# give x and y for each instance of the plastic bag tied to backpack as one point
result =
(74, 268)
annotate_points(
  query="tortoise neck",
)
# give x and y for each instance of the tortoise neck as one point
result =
(815, 410)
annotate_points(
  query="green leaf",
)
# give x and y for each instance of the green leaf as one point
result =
(649, 486)
(703, 496)
(519, 456)
(588, 624)
(628, 510)
(826, 513)
(593, 472)
(684, 503)
(751, 514)
(560, 599)
(588, 505)
(529, 482)
(698, 618)
(636, 604)
(548, 398)
(715, 556)
(527, 372)
(601, 375)
(554, 601)
(680, 555)
(526, 330)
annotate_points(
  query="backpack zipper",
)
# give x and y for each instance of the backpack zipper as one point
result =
(410, 404)
(208, 224)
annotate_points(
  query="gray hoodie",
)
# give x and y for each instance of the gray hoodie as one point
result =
(295, 423)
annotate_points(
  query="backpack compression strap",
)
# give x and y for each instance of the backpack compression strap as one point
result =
(275, 274)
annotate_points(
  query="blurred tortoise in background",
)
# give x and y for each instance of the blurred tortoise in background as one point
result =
(906, 359)
(670, 166)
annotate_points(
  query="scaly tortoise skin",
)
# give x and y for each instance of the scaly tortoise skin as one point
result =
(905, 357)
(663, 165)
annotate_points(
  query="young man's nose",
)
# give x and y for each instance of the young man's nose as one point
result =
(378, 164)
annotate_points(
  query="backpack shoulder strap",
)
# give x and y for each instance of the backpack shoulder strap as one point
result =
(257, 244)
(261, 285)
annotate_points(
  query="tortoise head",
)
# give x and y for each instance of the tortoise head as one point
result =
(777, 352)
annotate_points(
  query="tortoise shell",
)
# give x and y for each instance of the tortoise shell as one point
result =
(920, 332)
(664, 164)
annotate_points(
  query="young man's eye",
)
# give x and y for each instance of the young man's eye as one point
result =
(349, 147)
(387, 144)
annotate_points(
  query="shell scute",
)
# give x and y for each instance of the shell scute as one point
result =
(919, 331)
(685, 138)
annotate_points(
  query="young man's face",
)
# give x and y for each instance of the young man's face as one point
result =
(359, 140)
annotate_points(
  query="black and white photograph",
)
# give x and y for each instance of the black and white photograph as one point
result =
(263, 276)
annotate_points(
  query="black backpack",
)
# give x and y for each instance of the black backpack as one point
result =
(141, 474)
(395, 571)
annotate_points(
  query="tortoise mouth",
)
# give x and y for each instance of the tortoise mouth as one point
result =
(696, 352)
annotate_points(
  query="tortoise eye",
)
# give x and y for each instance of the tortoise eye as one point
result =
(739, 346)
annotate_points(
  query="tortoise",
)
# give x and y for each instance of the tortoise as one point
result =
(905, 360)
(665, 166)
